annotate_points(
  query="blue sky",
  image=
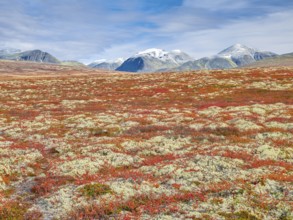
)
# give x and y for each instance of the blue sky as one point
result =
(88, 30)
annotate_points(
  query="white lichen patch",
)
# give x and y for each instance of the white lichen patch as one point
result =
(3, 185)
(107, 119)
(268, 152)
(274, 136)
(16, 161)
(245, 125)
(72, 104)
(59, 203)
(159, 145)
(274, 124)
(271, 85)
(197, 126)
(4, 144)
(211, 111)
(78, 167)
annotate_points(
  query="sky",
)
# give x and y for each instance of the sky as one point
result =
(88, 30)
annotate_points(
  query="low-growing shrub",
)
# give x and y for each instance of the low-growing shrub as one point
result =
(99, 132)
(94, 190)
(49, 184)
(222, 131)
(146, 129)
(241, 215)
(13, 210)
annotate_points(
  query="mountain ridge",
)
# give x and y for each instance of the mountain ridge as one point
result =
(152, 60)
(237, 55)
(31, 55)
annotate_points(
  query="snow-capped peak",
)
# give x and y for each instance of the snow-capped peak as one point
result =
(153, 52)
(119, 60)
(237, 50)
(174, 56)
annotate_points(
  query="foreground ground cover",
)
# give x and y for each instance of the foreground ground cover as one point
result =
(193, 145)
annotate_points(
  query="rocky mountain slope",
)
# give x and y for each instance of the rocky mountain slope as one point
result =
(215, 62)
(31, 55)
(152, 60)
(107, 64)
(242, 55)
(235, 56)
(72, 63)
(276, 61)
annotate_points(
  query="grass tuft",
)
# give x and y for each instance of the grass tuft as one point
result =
(94, 190)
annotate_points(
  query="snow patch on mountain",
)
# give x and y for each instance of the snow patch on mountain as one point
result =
(237, 50)
(152, 52)
(175, 56)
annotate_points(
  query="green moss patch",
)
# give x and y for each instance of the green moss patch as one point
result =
(94, 190)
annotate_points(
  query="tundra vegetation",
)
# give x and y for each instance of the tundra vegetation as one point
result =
(87, 144)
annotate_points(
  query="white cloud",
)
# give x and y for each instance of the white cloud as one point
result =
(215, 5)
(271, 33)
(74, 29)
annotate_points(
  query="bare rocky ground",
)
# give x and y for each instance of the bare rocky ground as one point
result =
(83, 144)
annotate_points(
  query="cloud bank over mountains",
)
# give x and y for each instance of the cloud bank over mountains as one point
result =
(93, 29)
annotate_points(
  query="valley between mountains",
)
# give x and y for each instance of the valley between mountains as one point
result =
(79, 143)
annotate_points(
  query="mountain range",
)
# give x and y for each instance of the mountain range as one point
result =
(152, 60)
(158, 60)
(235, 56)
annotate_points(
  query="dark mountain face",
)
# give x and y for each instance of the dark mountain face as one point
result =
(132, 65)
(38, 56)
(243, 60)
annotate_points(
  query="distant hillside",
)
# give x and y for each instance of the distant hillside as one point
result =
(106, 64)
(215, 62)
(31, 55)
(282, 60)
(72, 63)
(14, 67)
